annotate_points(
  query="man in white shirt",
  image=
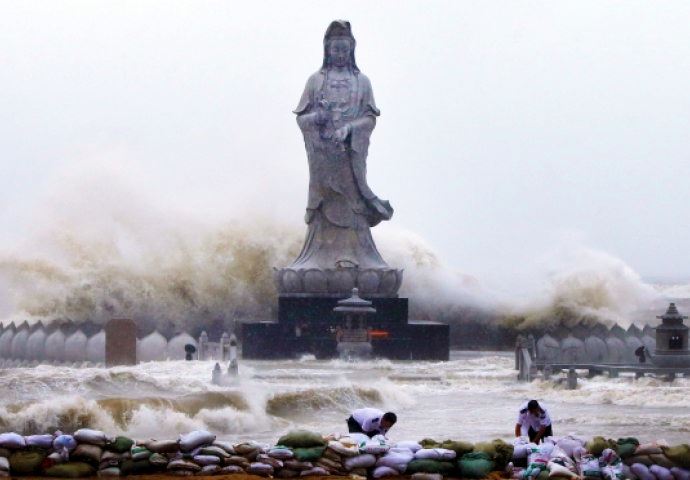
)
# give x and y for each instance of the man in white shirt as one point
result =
(371, 421)
(534, 420)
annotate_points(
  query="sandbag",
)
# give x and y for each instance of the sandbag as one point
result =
(231, 470)
(268, 460)
(64, 442)
(559, 471)
(435, 454)
(136, 467)
(380, 472)
(26, 462)
(40, 441)
(120, 444)
(569, 444)
(499, 452)
(598, 444)
(458, 446)
(158, 460)
(181, 464)
(284, 473)
(680, 473)
(281, 453)
(163, 446)
(626, 446)
(589, 467)
(397, 460)
(314, 472)
(92, 437)
(12, 441)
(429, 443)
(662, 460)
(70, 470)
(139, 452)
(430, 466)
(227, 446)
(364, 460)
(329, 464)
(308, 454)
(196, 439)
(648, 449)
(215, 451)
(210, 470)
(680, 455)
(643, 459)
(474, 465)
(302, 439)
(427, 476)
(109, 472)
(297, 465)
(613, 472)
(86, 452)
(261, 469)
(642, 472)
(343, 450)
(410, 445)
(660, 472)
(204, 460)
(238, 461)
(374, 447)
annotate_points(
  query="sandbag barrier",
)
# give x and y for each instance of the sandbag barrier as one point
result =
(301, 453)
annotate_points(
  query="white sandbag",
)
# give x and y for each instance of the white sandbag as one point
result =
(92, 437)
(360, 438)
(397, 460)
(40, 441)
(427, 476)
(66, 442)
(521, 451)
(314, 472)
(214, 450)
(262, 469)
(641, 471)
(205, 460)
(680, 473)
(196, 439)
(661, 473)
(380, 472)
(364, 460)
(559, 471)
(435, 454)
(410, 445)
(561, 457)
(281, 453)
(342, 449)
(12, 441)
(614, 472)
(569, 444)
(109, 472)
(231, 469)
(4, 465)
(181, 464)
(375, 448)
(609, 457)
(210, 470)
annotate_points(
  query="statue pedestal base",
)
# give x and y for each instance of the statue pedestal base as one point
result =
(306, 325)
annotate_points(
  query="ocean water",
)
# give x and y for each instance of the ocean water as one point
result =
(474, 396)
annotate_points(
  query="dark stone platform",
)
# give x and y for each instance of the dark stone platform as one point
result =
(307, 325)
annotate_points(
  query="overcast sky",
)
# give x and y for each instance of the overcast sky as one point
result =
(507, 128)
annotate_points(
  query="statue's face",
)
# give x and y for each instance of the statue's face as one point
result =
(339, 52)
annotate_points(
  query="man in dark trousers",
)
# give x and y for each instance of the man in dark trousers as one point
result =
(535, 420)
(371, 421)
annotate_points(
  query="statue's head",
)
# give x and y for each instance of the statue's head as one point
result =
(339, 46)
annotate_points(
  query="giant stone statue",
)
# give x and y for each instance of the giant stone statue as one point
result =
(337, 115)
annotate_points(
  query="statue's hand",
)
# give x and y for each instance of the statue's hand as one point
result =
(342, 133)
(322, 117)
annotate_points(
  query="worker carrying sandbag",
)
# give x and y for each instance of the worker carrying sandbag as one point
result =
(534, 420)
(371, 421)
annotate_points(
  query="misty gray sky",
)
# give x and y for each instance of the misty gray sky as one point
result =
(508, 129)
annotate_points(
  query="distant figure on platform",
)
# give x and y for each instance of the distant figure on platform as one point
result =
(189, 351)
(534, 420)
(639, 353)
(371, 421)
(216, 375)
